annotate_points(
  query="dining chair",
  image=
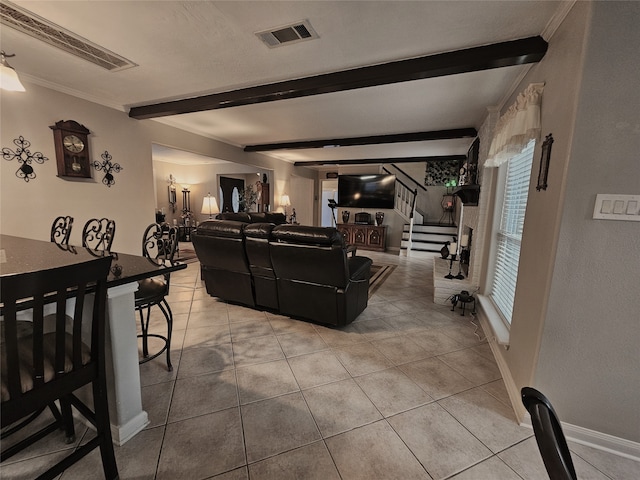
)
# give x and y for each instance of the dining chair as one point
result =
(98, 234)
(158, 245)
(61, 230)
(549, 436)
(46, 360)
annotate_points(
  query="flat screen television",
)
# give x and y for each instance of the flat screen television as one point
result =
(366, 191)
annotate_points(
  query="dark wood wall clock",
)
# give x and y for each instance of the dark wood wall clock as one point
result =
(72, 149)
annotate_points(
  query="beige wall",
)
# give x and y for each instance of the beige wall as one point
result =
(27, 209)
(575, 331)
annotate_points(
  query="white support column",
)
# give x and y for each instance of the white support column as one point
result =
(123, 373)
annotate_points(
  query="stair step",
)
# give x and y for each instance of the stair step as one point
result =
(431, 246)
(418, 248)
(434, 229)
(429, 237)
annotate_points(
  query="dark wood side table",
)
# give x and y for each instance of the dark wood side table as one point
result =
(184, 233)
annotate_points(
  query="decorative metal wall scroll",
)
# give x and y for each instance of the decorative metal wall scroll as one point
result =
(25, 157)
(108, 167)
(544, 162)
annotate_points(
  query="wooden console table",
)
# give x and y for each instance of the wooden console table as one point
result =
(366, 237)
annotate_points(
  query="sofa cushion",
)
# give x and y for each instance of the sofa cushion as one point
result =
(254, 217)
(235, 216)
(218, 228)
(268, 217)
(307, 235)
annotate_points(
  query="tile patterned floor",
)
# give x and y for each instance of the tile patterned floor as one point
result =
(407, 391)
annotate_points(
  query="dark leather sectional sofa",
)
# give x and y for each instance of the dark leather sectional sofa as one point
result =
(295, 270)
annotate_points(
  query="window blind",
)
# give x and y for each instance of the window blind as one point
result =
(509, 233)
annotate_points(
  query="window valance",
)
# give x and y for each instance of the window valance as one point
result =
(519, 125)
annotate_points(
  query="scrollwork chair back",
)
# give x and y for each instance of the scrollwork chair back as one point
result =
(61, 230)
(98, 234)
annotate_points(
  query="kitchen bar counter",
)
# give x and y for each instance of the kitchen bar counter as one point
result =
(22, 255)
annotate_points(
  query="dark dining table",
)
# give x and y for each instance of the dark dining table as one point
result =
(23, 255)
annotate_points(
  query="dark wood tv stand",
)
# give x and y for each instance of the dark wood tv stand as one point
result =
(365, 237)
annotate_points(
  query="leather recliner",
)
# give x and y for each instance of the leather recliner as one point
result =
(316, 279)
(257, 236)
(220, 248)
(299, 271)
(276, 218)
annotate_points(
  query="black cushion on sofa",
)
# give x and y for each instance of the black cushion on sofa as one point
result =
(257, 236)
(219, 245)
(231, 229)
(307, 235)
(268, 217)
(235, 216)
(254, 217)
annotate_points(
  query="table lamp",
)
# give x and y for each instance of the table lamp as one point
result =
(285, 202)
(209, 206)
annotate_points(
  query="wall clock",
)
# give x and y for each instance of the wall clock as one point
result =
(72, 149)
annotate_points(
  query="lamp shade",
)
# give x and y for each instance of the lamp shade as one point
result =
(8, 77)
(284, 201)
(209, 205)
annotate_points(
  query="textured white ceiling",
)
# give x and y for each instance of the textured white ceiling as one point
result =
(184, 49)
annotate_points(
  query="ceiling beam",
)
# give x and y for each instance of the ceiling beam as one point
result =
(503, 54)
(370, 140)
(378, 161)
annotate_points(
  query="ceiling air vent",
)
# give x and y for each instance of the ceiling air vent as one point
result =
(42, 29)
(288, 34)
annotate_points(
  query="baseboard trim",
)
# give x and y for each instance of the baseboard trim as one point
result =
(598, 440)
(584, 436)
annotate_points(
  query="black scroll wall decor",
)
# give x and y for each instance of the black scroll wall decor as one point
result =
(108, 167)
(24, 157)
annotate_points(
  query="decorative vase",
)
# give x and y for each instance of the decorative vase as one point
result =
(345, 216)
(379, 218)
(444, 251)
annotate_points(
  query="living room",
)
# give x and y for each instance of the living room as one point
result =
(574, 333)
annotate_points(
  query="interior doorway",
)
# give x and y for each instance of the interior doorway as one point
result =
(230, 189)
(329, 192)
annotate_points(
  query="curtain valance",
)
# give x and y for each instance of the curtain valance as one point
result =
(519, 125)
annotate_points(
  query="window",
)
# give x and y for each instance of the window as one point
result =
(510, 211)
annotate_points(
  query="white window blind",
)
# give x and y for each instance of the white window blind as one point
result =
(509, 233)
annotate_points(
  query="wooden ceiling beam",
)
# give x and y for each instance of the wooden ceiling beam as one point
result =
(503, 54)
(369, 140)
(378, 161)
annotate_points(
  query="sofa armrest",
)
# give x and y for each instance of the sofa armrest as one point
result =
(359, 268)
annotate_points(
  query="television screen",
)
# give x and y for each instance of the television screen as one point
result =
(366, 191)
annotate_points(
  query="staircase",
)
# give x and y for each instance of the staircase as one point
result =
(427, 238)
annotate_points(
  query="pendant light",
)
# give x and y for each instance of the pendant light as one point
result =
(8, 77)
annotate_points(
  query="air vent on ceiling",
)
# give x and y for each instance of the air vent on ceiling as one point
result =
(288, 34)
(42, 29)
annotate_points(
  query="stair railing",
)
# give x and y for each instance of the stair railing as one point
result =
(405, 203)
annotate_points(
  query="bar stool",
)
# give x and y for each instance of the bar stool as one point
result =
(98, 234)
(42, 367)
(158, 246)
(61, 230)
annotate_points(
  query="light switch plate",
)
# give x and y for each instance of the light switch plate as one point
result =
(617, 207)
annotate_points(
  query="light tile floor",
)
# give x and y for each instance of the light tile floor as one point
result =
(408, 390)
